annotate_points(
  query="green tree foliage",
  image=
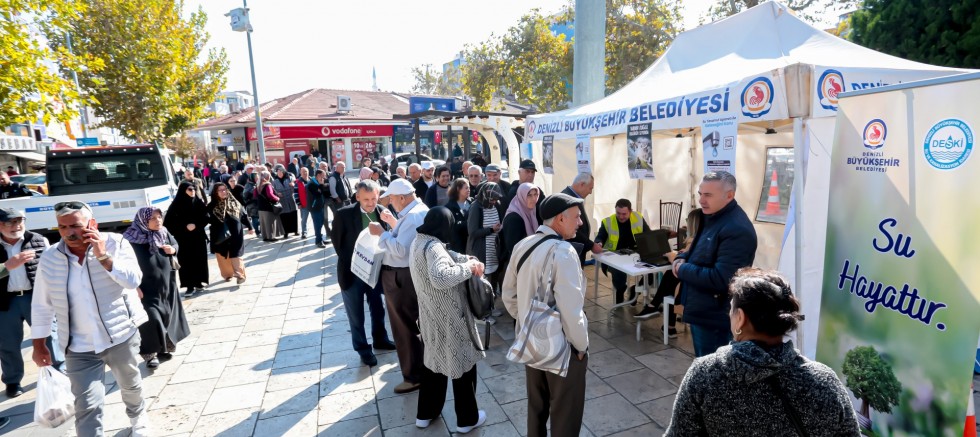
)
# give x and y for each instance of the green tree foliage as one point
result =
(154, 83)
(30, 86)
(637, 33)
(871, 379)
(430, 81)
(940, 32)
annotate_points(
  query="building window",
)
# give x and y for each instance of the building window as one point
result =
(774, 201)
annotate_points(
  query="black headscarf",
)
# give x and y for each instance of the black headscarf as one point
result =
(438, 224)
(490, 192)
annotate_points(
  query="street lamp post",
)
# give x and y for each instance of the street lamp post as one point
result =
(240, 23)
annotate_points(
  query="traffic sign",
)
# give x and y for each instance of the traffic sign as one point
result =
(87, 141)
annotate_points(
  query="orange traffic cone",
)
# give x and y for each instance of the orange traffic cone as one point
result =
(971, 418)
(772, 206)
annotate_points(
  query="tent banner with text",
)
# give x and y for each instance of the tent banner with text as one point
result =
(901, 288)
(719, 135)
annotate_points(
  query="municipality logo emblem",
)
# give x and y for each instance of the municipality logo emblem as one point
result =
(948, 144)
(530, 129)
(874, 134)
(830, 85)
(757, 97)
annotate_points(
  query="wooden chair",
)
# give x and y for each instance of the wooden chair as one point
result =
(670, 216)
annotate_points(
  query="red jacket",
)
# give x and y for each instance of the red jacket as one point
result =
(301, 186)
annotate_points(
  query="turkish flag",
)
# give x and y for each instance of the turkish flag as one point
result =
(438, 137)
(476, 137)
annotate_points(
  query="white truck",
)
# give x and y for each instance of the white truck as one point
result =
(116, 181)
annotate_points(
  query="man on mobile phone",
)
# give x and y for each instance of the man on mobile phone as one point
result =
(88, 283)
(19, 259)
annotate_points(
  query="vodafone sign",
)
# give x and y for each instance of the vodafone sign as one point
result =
(310, 132)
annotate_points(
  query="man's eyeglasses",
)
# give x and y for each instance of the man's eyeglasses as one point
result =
(14, 221)
(73, 205)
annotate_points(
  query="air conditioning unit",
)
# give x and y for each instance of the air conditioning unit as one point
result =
(343, 104)
(233, 107)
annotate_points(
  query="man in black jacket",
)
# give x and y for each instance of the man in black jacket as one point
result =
(19, 265)
(582, 187)
(340, 192)
(725, 243)
(418, 182)
(9, 189)
(348, 224)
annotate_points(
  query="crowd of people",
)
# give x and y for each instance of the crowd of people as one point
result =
(439, 234)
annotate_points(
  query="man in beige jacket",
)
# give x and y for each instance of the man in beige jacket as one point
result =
(549, 394)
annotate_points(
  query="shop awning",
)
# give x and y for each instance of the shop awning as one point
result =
(30, 156)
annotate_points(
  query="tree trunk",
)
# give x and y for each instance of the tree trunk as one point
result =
(865, 410)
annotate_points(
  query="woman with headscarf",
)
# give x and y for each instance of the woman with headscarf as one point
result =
(238, 192)
(459, 205)
(269, 223)
(364, 173)
(227, 233)
(155, 249)
(250, 201)
(520, 220)
(285, 185)
(446, 324)
(483, 226)
(186, 219)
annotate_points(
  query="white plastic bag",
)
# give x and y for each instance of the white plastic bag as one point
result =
(55, 404)
(368, 254)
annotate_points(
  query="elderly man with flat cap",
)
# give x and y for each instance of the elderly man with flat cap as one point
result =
(23, 248)
(538, 260)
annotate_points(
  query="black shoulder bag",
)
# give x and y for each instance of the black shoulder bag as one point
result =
(790, 411)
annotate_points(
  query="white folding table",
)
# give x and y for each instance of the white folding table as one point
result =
(629, 265)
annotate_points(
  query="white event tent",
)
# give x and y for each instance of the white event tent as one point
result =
(708, 72)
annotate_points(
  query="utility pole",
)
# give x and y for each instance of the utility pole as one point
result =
(588, 65)
(241, 23)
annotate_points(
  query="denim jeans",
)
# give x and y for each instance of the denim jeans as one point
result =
(255, 224)
(317, 214)
(708, 339)
(304, 214)
(354, 304)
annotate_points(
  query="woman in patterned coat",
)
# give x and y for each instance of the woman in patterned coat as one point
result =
(444, 319)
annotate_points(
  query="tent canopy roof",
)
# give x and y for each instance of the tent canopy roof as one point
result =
(755, 42)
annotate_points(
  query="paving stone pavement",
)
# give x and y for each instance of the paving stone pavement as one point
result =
(273, 358)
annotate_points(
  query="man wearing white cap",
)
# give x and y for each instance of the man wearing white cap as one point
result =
(400, 297)
(245, 177)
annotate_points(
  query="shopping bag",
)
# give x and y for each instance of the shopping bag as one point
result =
(368, 254)
(55, 404)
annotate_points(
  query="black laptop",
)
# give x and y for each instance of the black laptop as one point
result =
(653, 247)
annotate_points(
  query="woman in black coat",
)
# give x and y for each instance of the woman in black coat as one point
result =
(483, 226)
(239, 192)
(520, 220)
(185, 220)
(155, 249)
(227, 216)
(459, 205)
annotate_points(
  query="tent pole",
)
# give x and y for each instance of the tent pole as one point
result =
(798, 181)
(639, 196)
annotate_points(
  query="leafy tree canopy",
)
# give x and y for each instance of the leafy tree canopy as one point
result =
(30, 86)
(154, 82)
(940, 32)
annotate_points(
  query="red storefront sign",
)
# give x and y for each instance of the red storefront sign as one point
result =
(363, 149)
(304, 132)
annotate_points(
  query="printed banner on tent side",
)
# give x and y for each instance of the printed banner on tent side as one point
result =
(899, 303)
(828, 82)
(719, 135)
(639, 151)
(583, 153)
(548, 154)
(758, 98)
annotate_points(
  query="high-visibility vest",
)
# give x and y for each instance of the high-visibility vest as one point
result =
(612, 228)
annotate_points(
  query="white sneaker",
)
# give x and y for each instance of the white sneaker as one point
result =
(480, 421)
(141, 425)
(419, 423)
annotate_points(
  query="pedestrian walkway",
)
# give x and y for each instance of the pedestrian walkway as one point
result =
(273, 358)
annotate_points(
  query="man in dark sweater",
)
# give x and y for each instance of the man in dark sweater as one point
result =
(725, 243)
(616, 232)
(582, 187)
